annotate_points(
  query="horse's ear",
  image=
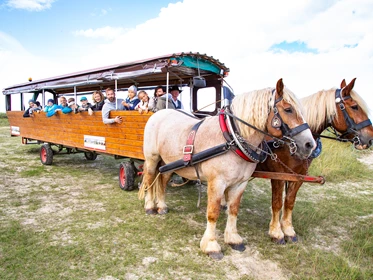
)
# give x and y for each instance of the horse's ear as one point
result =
(343, 83)
(348, 88)
(280, 87)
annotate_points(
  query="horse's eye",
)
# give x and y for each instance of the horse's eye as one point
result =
(355, 107)
(288, 110)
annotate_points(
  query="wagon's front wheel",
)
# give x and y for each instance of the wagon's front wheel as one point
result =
(46, 154)
(90, 155)
(126, 176)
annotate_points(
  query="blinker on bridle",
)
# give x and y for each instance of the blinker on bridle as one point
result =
(287, 132)
(352, 127)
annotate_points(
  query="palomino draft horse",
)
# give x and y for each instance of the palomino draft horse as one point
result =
(227, 175)
(345, 111)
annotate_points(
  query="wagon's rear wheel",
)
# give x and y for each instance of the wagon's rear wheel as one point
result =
(90, 155)
(126, 176)
(46, 154)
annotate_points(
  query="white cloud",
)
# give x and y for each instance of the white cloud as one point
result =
(30, 5)
(241, 37)
(106, 32)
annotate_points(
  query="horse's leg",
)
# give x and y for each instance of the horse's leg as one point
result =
(287, 221)
(148, 183)
(161, 194)
(223, 204)
(231, 236)
(275, 231)
(208, 244)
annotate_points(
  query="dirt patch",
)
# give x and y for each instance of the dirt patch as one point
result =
(250, 264)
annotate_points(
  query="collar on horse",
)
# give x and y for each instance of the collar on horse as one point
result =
(238, 145)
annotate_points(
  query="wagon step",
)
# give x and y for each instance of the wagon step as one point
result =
(288, 177)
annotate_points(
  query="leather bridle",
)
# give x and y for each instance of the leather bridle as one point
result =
(352, 127)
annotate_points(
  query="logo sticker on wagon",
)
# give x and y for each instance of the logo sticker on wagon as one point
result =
(95, 142)
(14, 130)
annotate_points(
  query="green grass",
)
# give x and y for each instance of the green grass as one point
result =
(338, 162)
(71, 221)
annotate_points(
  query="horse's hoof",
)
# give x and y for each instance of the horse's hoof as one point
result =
(291, 239)
(279, 241)
(162, 211)
(223, 208)
(151, 212)
(238, 247)
(216, 255)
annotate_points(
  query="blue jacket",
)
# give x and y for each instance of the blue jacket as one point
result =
(132, 103)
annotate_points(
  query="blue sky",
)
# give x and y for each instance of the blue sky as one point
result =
(311, 44)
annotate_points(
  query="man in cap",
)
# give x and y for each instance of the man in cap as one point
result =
(85, 104)
(173, 101)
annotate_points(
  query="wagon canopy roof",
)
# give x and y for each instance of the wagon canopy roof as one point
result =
(148, 72)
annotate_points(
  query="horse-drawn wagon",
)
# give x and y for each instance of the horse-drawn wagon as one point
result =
(166, 139)
(201, 75)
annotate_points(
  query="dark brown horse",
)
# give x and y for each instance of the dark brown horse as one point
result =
(345, 111)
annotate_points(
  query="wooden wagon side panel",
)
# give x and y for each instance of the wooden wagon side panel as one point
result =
(84, 131)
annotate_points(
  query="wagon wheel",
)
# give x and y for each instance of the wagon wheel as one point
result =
(126, 176)
(46, 154)
(90, 155)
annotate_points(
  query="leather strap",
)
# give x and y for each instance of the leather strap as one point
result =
(189, 146)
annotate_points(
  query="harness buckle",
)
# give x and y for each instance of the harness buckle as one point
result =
(188, 149)
(342, 106)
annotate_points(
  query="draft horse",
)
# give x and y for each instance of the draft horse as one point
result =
(343, 110)
(166, 132)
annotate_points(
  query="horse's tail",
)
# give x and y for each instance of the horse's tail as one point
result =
(152, 187)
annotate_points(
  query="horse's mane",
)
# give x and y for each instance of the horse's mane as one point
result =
(255, 106)
(320, 107)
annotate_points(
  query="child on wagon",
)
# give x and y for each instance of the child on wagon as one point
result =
(85, 104)
(145, 103)
(131, 101)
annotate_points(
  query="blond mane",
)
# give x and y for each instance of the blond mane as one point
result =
(320, 107)
(255, 106)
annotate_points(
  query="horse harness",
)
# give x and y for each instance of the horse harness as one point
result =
(235, 142)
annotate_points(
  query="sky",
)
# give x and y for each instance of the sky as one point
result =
(311, 44)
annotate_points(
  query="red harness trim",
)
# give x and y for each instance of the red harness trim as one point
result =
(226, 133)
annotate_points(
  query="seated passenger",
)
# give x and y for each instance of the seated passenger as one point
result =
(50, 106)
(71, 106)
(85, 104)
(158, 92)
(110, 105)
(173, 101)
(63, 105)
(31, 103)
(131, 101)
(144, 104)
(63, 102)
(98, 99)
(35, 108)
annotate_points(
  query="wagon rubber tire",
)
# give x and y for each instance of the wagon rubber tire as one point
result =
(46, 154)
(126, 176)
(90, 155)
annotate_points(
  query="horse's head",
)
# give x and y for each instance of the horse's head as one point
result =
(351, 118)
(286, 121)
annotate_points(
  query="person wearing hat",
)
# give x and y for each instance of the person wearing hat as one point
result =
(173, 101)
(50, 106)
(132, 100)
(85, 104)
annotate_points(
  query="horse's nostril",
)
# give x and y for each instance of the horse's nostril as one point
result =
(309, 145)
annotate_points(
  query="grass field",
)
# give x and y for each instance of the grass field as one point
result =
(70, 220)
